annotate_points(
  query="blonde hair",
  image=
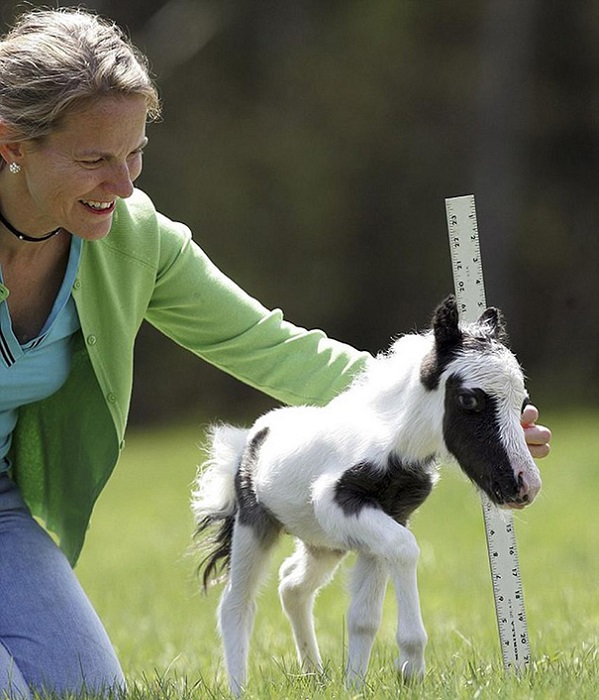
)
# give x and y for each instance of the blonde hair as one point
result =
(51, 60)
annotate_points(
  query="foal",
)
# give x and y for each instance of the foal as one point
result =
(347, 476)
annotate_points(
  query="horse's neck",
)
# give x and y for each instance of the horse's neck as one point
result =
(412, 414)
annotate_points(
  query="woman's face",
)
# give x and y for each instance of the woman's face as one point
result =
(73, 177)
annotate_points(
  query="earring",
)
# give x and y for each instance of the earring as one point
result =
(14, 168)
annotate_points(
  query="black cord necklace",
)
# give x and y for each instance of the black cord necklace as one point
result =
(24, 236)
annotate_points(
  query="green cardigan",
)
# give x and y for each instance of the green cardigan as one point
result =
(65, 447)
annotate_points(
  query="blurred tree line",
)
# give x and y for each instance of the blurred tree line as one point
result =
(310, 146)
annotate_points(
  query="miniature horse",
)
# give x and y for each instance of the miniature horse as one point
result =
(347, 476)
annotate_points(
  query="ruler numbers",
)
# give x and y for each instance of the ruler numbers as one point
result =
(507, 587)
(499, 525)
(465, 257)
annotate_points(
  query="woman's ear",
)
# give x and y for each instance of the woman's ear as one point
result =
(11, 151)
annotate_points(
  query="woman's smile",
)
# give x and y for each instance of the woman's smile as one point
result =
(98, 208)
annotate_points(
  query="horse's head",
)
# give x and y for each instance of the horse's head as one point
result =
(484, 395)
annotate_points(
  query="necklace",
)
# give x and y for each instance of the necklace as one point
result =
(24, 236)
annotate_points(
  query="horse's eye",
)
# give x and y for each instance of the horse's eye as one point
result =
(471, 401)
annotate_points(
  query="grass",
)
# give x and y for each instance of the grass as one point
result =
(137, 572)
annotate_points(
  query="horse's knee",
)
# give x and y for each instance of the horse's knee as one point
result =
(391, 543)
(365, 614)
(360, 626)
(399, 554)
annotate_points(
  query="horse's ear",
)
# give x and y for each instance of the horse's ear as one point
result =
(445, 325)
(448, 339)
(494, 319)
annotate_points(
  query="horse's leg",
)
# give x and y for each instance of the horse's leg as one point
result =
(301, 575)
(411, 635)
(237, 608)
(367, 587)
(370, 531)
(397, 546)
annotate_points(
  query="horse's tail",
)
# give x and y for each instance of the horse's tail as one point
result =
(214, 501)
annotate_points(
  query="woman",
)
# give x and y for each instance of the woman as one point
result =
(84, 258)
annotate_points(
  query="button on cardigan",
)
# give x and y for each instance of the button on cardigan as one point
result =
(148, 267)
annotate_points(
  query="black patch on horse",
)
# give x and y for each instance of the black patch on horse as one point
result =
(251, 512)
(396, 489)
(448, 342)
(471, 433)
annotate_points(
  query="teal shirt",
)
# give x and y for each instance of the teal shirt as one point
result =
(36, 369)
(65, 447)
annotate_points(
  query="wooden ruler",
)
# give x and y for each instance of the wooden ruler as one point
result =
(499, 525)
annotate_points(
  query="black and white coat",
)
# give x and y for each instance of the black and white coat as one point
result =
(347, 477)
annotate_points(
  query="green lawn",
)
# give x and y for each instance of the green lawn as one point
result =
(137, 571)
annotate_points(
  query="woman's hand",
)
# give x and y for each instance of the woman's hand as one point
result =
(537, 437)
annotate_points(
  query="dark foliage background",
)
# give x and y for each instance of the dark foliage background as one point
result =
(310, 145)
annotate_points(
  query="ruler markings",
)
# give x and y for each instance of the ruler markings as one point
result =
(499, 525)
